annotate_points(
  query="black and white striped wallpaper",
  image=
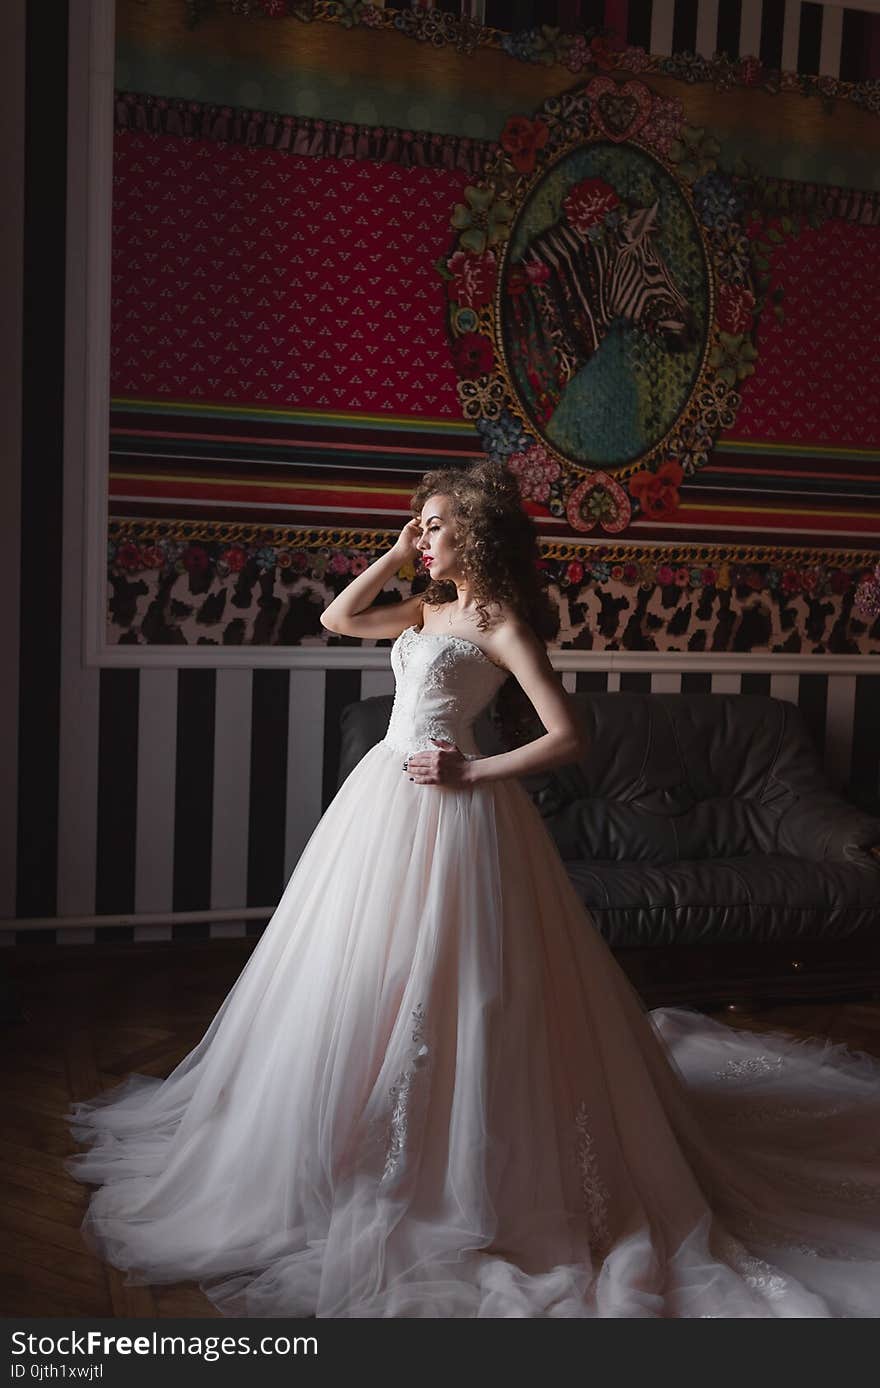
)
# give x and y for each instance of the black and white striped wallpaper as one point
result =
(831, 40)
(198, 789)
(154, 793)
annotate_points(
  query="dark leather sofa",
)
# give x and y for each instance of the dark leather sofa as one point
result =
(705, 842)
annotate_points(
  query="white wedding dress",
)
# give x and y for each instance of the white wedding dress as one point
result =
(432, 1092)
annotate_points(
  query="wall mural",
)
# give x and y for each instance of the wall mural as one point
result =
(583, 307)
(600, 294)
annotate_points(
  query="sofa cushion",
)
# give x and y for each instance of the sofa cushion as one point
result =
(672, 777)
(760, 898)
(692, 819)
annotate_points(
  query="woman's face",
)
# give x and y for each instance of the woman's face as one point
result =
(437, 542)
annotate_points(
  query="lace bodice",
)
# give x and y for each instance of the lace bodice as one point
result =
(443, 683)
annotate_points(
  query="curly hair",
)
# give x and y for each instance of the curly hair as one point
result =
(497, 544)
(497, 548)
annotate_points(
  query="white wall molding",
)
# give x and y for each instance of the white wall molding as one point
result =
(137, 919)
(79, 693)
(378, 658)
(13, 24)
(94, 89)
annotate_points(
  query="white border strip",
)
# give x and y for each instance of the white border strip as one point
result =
(79, 695)
(230, 821)
(378, 658)
(791, 31)
(750, 28)
(662, 23)
(97, 190)
(156, 786)
(138, 919)
(706, 41)
(831, 42)
(13, 29)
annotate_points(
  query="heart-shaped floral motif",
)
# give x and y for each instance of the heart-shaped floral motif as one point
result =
(619, 109)
(598, 500)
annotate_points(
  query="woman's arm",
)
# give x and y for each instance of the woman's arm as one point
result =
(565, 740)
(350, 614)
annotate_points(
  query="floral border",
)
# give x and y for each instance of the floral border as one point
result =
(867, 595)
(253, 535)
(180, 563)
(599, 49)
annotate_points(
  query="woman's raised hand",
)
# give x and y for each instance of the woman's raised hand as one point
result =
(407, 541)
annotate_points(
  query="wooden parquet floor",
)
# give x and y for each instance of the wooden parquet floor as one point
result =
(89, 1016)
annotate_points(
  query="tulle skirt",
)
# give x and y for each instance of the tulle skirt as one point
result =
(431, 1092)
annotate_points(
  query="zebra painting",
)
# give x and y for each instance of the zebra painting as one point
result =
(569, 289)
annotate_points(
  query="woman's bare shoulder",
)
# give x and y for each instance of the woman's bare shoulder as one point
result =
(507, 633)
(506, 622)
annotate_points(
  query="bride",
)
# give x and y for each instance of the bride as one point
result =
(431, 1092)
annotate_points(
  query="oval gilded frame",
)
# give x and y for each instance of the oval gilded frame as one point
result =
(701, 372)
(530, 149)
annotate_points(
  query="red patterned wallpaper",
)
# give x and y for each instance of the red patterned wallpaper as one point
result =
(816, 376)
(248, 276)
(244, 276)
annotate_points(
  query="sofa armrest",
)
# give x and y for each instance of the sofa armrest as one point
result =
(827, 826)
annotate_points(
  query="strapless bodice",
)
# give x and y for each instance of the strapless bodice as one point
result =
(442, 684)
